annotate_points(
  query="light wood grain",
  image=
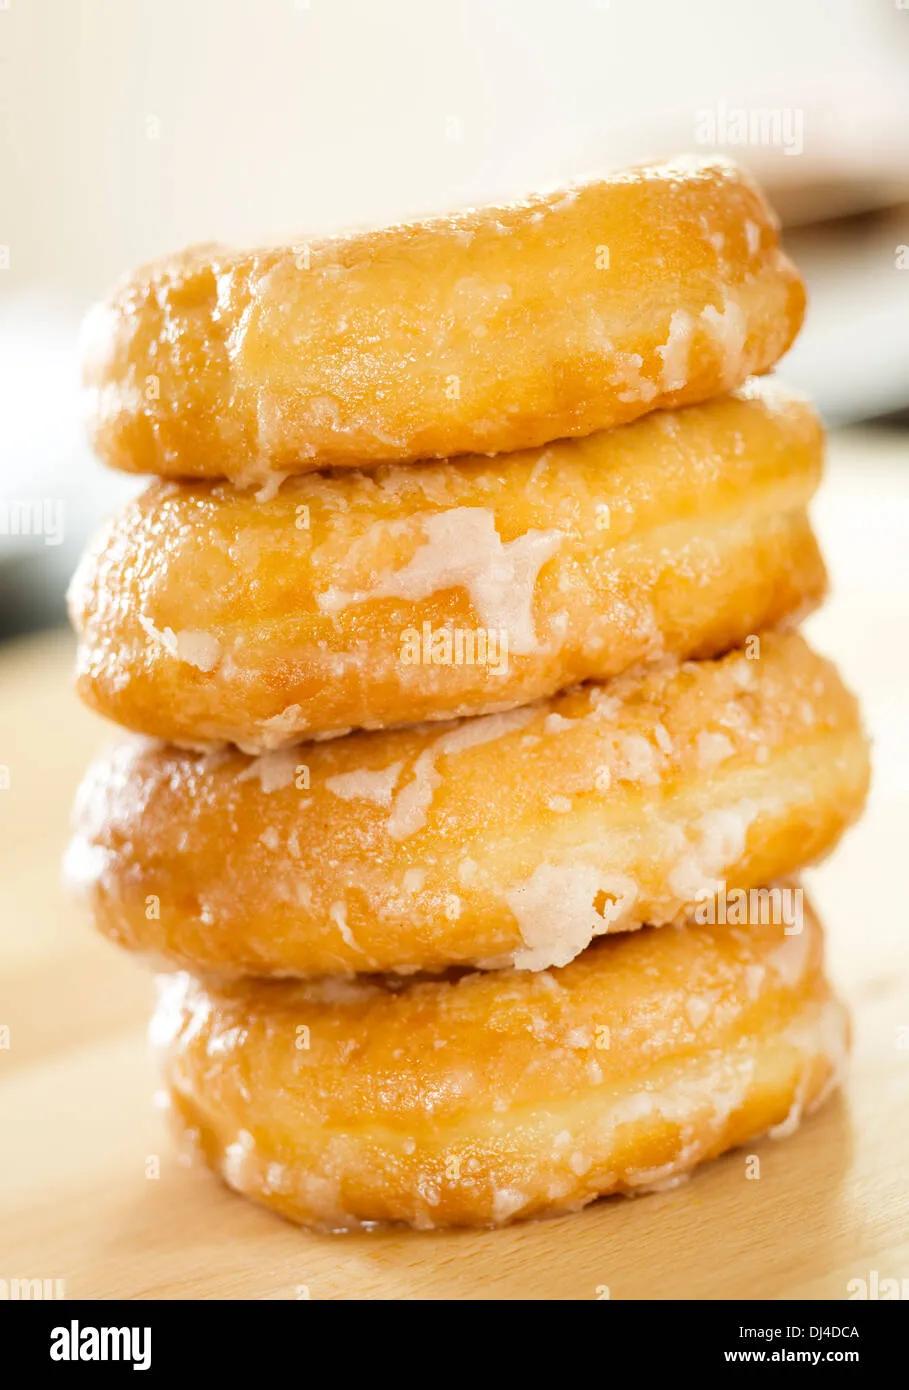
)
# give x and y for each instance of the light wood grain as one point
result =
(76, 1084)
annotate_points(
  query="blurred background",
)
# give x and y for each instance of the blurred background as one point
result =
(131, 127)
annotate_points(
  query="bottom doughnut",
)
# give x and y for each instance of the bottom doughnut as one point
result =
(481, 1098)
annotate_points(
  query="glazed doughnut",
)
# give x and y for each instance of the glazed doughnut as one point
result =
(513, 838)
(463, 587)
(475, 1101)
(487, 331)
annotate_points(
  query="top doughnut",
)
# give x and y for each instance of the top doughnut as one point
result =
(487, 331)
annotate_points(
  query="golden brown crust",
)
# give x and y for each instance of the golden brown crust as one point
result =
(487, 331)
(206, 615)
(515, 837)
(496, 1097)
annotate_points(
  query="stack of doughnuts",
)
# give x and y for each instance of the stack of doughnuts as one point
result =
(477, 749)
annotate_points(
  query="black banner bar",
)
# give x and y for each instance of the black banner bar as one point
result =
(216, 1338)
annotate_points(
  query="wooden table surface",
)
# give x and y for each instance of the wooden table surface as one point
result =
(78, 1127)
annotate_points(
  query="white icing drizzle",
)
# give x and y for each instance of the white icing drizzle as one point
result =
(467, 871)
(712, 748)
(279, 728)
(273, 770)
(826, 1036)
(627, 371)
(637, 760)
(412, 802)
(790, 1123)
(84, 864)
(270, 487)
(663, 740)
(602, 778)
(729, 330)
(462, 549)
(363, 785)
(338, 914)
(698, 1007)
(754, 979)
(676, 350)
(556, 911)
(165, 637)
(239, 1165)
(341, 989)
(789, 960)
(506, 1202)
(720, 842)
(196, 648)
(199, 649)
